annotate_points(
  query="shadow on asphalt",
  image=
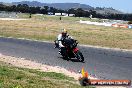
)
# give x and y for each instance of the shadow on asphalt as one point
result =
(73, 60)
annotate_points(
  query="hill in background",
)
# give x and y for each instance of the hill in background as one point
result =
(66, 6)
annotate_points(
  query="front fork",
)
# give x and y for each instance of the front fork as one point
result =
(75, 50)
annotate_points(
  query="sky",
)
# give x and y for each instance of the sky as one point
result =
(122, 5)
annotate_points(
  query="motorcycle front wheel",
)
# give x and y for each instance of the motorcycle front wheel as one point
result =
(79, 56)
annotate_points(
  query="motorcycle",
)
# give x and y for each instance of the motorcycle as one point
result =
(71, 49)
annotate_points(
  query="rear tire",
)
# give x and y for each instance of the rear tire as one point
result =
(79, 56)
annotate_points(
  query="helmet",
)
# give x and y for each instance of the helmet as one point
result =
(64, 32)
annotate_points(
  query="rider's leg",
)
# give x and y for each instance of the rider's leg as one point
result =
(56, 44)
(64, 53)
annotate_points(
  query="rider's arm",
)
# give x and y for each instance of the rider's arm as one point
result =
(69, 36)
(60, 40)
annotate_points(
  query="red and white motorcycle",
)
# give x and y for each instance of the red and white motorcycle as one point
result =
(72, 51)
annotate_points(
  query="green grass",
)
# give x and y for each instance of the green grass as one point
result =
(14, 77)
(48, 27)
(48, 17)
(26, 15)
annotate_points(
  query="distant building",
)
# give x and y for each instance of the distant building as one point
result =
(64, 14)
(50, 13)
(57, 14)
(70, 15)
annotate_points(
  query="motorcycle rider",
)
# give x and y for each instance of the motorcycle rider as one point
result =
(60, 45)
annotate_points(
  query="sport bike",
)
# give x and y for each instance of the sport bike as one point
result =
(71, 49)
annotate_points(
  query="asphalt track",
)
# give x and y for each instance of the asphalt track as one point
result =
(101, 63)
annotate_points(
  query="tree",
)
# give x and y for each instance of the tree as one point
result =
(24, 8)
(53, 10)
(33, 10)
(93, 13)
(79, 12)
(2, 7)
(13, 8)
(71, 11)
(46, 8)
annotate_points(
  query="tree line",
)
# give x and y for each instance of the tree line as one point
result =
(79, 12)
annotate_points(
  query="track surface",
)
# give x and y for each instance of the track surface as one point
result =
(102, 63)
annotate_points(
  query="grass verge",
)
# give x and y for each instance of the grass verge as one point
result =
(14, 77)
(48, 27)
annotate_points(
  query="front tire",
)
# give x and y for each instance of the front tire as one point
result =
(79, 56)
